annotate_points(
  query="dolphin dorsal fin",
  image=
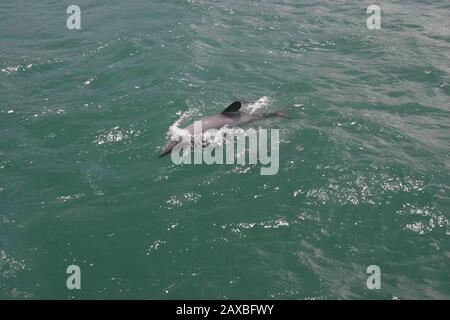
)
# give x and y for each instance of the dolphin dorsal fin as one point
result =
(234, 107)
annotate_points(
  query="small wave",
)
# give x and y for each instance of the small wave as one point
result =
(175, 201)
(9, 70)
(425, 219)
(116, 134)
(9, 269)
(70, 197)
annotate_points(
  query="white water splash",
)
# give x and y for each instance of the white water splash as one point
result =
(14, 69)
(259, 104)
(175, 131)
(10, 69)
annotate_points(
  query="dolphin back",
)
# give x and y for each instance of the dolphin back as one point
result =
(231, 116)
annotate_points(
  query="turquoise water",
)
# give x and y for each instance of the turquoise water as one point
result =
(364, 164)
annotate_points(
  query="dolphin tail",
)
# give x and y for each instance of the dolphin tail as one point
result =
(282, 112)
(279, 113)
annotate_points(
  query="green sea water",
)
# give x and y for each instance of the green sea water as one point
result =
(364, 164)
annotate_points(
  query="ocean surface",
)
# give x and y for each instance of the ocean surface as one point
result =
(364, 175)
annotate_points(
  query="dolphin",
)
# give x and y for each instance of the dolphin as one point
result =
(231, 116)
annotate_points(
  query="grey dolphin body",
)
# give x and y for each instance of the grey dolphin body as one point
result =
(231, 116)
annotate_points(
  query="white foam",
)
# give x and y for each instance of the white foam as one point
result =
(259, 104)
(175, 131)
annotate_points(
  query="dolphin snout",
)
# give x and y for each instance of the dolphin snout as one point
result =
(168, 148)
